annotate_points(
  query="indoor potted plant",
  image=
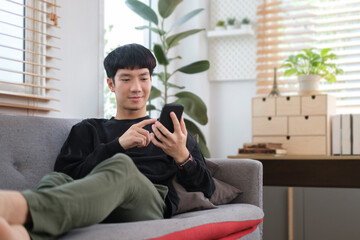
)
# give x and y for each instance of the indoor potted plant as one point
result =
(245, 24)
(220, 25)
(231, 23)
(194, 107)
(310, 65)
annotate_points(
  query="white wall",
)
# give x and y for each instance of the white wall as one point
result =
(81, 52)
(230, 127)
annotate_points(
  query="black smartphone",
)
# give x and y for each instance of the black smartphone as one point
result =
(165, 118)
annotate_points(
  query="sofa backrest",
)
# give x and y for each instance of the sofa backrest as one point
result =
(28, 148)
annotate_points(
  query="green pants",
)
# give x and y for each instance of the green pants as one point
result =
(115, 191)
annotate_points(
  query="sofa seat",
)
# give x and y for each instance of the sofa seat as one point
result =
(226, 220)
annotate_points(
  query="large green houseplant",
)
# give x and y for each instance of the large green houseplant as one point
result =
(310, 65)
(194, 107)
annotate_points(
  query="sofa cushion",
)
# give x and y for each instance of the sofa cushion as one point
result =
(191, 201)
(241, 217)
(224, 193)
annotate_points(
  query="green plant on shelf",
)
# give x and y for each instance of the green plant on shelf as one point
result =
(245, 21)
(231, 21)
(313, 62)
(220, 23)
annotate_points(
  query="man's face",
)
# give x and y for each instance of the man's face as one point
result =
(132, 90)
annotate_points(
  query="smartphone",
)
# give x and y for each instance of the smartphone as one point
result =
(165, 118)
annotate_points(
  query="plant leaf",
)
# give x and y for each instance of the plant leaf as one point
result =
(142, 10)
(166, 7)
(330, 77)
(290, 72)
(155, 30)
(195, 67)
(186, 18)
(309, 52)
(154, 93)
(324, 52)
(194, 130)
(194, 107)
(178, 57)
(171, 85)
(286, 65)
(159, 75)
(150, 107)
(160, 55)
(173, 40)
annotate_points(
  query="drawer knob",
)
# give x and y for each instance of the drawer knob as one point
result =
(287, 137)
(313, 97)
(269, 118)
(288, 98)
(264, 99)
(306, 117)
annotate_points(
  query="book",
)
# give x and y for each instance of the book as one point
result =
(262, 148)
(346, 134)
(263, 145)
(356, 134)
(336, 135)
(262, 151)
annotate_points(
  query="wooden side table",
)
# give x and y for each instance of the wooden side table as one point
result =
(307, 171)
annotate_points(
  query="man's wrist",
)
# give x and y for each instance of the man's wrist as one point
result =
(185, 163)
(179, 159)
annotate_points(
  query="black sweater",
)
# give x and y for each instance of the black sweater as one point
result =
(93, 140)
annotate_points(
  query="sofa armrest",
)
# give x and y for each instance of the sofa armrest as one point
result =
(246, 175)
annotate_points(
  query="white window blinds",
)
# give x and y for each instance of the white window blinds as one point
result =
(28, 50)
(287, 26)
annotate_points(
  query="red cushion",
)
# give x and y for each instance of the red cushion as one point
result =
(224, 231)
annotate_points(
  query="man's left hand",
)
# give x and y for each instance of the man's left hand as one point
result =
(173, 144)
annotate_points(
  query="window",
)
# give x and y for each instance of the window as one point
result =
(120, 30)
(11, 41)
(287, 26)
(27, 53)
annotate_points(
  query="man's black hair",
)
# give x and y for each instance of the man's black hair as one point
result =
(129, 56)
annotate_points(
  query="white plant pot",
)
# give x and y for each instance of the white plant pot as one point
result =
(231, 27)
(246, 27)
(309, 84)
(220, 28)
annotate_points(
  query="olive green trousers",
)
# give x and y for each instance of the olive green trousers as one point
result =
(115, 191)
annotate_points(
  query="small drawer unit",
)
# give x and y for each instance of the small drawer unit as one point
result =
(301, 123)
(307, 125)
(263, 106)
(269, 125)
(289, 105)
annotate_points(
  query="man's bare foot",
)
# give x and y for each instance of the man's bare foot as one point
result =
(12, 232)
(13, 207)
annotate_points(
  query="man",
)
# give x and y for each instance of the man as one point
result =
(111, 170)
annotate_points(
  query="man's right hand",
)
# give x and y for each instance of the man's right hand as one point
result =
(136, 136)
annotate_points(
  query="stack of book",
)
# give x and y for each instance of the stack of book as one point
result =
(262, 148)
(346, 134)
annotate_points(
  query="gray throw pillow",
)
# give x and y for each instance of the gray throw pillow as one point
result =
(213, 167)
(224, 193)
(191, 201)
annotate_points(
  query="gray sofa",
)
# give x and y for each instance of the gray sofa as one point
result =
(28, 149)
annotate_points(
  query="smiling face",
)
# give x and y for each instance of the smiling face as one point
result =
(132, 90)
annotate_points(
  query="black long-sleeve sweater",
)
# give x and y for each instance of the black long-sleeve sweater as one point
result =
(93, 140)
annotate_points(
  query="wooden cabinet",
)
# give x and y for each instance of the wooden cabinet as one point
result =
(301, 123)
